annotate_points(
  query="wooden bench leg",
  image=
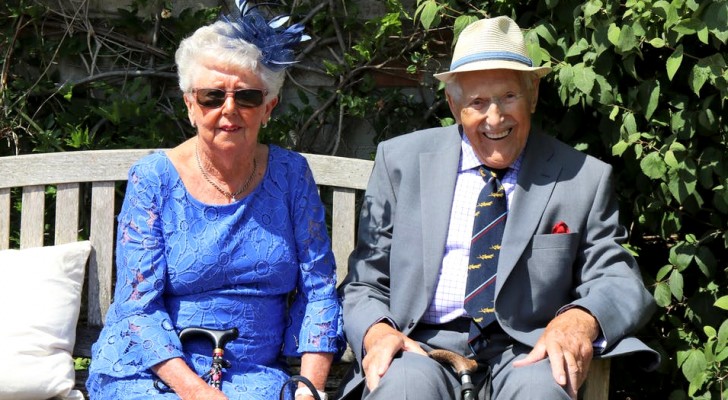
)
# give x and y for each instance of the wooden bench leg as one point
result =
(597, 383)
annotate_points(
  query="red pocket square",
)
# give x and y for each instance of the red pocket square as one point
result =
(560, 227)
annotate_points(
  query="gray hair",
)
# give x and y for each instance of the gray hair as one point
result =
(455, 90)
(216, 44)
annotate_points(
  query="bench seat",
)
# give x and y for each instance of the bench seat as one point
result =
(86, 186)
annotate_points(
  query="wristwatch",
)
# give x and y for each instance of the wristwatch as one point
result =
(304, 391)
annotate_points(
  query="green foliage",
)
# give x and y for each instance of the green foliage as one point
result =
(643, 85)
(81, 363)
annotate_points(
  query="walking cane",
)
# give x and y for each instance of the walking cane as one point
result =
(219, 339)
(464, 367)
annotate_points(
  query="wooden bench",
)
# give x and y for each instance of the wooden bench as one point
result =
(86, 185)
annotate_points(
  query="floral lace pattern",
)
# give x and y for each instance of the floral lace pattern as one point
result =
(183, 263)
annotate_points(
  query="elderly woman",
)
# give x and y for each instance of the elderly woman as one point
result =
(216, 233)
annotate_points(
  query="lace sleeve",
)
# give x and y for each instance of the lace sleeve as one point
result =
(138, 332)
(315, 315)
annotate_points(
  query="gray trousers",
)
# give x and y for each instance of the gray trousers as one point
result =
(415, 377)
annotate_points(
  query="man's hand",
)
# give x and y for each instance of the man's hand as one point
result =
(567, 342)
(382, 343)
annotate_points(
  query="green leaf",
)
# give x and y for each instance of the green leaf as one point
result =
(676, 284)
(674, 61)
(681, 255)
(613, 34)
(657, 43)
(663, 296)
(566, 75)
(681, 183)
(584, 78)
(688, 26)
(715, 17)
(81, 363)
(695, 384)
(670, 159)
(677, 146)
(703, 35)
(710, 332)
(614, 113)
(447, 121)
(662, 273)
(706, 261)
(722, 336)
(629, 123)
(627, 39)
(694, 365)
(653, 166)
(592, 7)
(652, 94)
(546, 31)
(720, 357)
(428, 12)
(619, 148)
(534, 48)
(698, 76)
(722, 303)
(577, 48)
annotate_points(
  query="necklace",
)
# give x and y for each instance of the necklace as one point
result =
(231, 196)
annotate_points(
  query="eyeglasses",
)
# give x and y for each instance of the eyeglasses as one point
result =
(215, 98)
(503, 102)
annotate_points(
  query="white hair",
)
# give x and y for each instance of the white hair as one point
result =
(215, 44)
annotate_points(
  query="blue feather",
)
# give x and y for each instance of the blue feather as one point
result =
(275, 41)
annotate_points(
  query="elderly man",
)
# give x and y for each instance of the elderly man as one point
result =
(489, 240)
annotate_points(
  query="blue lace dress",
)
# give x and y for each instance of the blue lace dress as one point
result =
(184, 263)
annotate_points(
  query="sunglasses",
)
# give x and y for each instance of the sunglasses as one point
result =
(215, 98)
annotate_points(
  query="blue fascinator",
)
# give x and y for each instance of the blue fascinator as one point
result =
(275, 41)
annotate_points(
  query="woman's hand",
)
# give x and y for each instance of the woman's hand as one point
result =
(188, 386)
(315, 367)
(208, 392)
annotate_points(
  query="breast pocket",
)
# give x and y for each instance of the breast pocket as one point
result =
(550, 266)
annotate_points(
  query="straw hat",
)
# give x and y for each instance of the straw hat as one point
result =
(493, 43)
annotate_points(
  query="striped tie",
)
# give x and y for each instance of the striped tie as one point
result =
(488, 226)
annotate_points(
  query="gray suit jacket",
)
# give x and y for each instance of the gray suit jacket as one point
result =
(404, 222)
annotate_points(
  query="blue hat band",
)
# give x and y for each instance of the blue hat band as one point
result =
(492, 55)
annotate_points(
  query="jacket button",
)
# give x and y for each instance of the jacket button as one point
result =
(411, 324)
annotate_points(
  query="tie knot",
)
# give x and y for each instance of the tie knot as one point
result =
(487, 173)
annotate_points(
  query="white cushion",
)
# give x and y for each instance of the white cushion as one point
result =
(40, 297)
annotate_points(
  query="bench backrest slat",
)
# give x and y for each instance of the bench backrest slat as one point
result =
(101, 261)
(4, 218)
(31, 220)
(67, 212)
(342, 228)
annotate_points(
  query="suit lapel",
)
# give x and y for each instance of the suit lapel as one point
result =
(536, 180)
(438, 173)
